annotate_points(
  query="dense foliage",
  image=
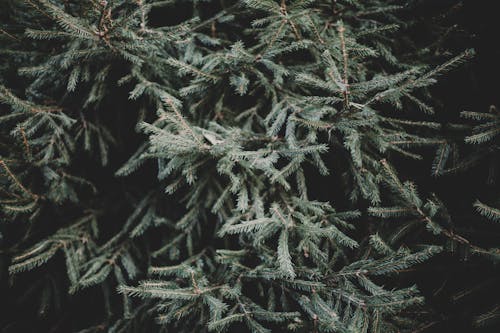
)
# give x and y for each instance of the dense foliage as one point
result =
(213, 166)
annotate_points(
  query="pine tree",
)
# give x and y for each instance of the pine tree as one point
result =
(163, 161)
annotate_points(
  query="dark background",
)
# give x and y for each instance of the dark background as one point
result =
(459, 286)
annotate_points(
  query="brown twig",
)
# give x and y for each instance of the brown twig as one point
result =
(16, 181)
(341, 31)
(285, 13)
(25, 142)
(9, 35)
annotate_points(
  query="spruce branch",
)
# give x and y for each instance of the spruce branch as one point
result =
(17, 182)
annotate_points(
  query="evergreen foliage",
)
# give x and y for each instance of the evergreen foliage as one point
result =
(213, 166)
